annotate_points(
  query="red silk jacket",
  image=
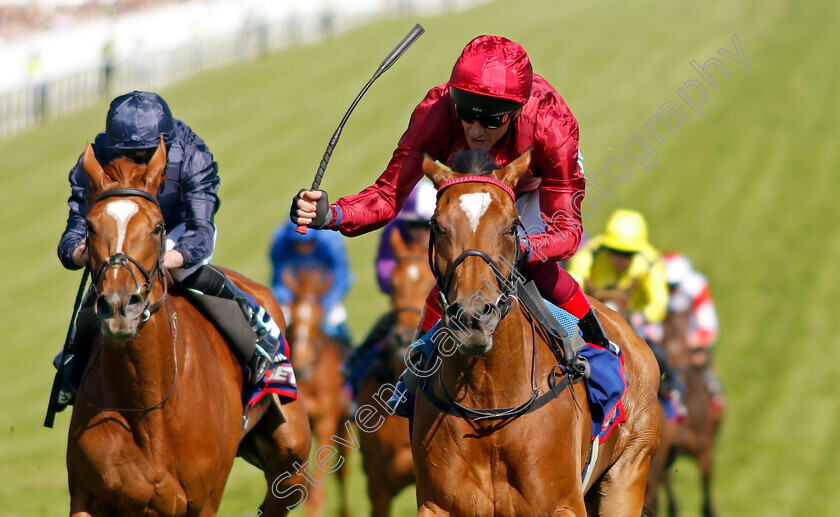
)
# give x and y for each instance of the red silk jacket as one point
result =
(546, 125)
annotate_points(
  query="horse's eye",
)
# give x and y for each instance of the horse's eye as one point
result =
(433, 224)
(513, 229)
(89, 228)
(158, 228)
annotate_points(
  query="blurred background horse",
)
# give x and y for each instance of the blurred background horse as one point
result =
(697, 436)
(317, 359)
(387, 451)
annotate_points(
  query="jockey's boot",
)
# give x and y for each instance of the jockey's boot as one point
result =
(376, 335)
(76, 358)
(592, 330)
(255, 338)
(671, 386)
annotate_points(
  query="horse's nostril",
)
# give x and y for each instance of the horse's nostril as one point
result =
(135, 299)
(103, 308)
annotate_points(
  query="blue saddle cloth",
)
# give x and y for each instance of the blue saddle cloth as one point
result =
(605, 385)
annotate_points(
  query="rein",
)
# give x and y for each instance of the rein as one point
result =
(122, 260)
(174, 331)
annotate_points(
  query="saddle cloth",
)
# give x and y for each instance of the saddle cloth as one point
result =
(605, 384)
(279, 378)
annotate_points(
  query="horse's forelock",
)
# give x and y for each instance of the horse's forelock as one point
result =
(475, 161)
(122, 173)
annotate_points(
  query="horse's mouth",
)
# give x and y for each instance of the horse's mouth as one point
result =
(119, 328)
(475, 343)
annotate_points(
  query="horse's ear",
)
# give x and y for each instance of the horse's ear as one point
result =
(398, 244)
(435, 172)
(511, 173)
(154, 172)
(290, 281)
(93, 168)
(325, 282)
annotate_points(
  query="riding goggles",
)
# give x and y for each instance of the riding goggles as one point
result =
(488, 121)
(140, 156)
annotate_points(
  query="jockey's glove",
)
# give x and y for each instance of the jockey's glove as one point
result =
(323, 211)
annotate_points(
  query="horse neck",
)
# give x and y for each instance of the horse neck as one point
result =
(501, 376)
(139, 373)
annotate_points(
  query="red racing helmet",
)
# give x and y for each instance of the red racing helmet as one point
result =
(493, 75)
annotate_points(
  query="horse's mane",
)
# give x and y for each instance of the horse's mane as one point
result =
(475, 161)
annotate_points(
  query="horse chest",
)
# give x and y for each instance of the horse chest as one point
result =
(135, 471)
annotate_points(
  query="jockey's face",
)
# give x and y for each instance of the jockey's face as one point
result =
(140, 156)
(621, 260)
(480, 137)
(418, 231)
(304, 249)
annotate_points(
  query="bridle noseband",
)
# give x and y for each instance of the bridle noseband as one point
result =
(122, 260)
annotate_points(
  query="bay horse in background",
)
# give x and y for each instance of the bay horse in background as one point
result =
(671, 429)
(317, 359)
(387, 451)
(698, 435)
(158, 417)
(516, 462)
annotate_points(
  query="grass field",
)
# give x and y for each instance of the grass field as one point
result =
(748, 190)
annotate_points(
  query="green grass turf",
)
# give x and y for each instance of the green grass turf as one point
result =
(748, 191)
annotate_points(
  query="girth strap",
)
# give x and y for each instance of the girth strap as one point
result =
(534, 403)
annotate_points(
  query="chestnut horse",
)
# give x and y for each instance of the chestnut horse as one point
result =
(158, 417)
(387, 451)
(515, 461)
(699, 433)
(317, 359)
(671, 429)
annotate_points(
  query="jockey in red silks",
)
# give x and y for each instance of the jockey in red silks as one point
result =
(493, 101)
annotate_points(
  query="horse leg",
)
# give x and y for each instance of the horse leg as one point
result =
(379, 491)
(705, 461)
(279, 446)
(342, 470)
(323, 429)
(621, 490)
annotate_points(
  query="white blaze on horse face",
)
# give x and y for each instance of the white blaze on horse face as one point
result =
(474, 205)
(122, 210)
(413, 272)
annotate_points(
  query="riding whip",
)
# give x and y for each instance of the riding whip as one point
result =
(68, 341)
(395, 54)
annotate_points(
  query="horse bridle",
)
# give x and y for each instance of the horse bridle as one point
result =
(507, 284)
(122, 260)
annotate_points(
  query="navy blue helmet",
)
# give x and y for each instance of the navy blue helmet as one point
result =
(136, 120)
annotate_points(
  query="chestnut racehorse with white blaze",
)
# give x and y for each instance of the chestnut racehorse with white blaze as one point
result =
(529, 463)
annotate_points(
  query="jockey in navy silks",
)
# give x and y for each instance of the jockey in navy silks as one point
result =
(188, 201)
(494, 101)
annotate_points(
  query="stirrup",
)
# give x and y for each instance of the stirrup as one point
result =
(258, 364)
